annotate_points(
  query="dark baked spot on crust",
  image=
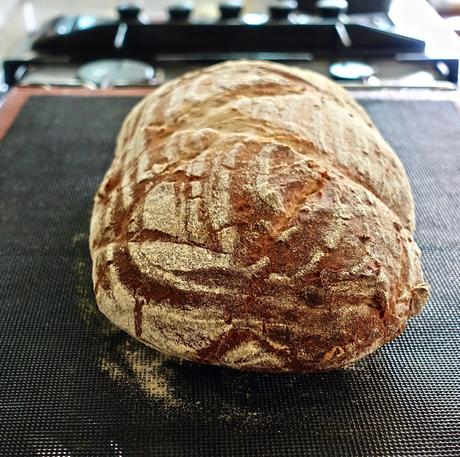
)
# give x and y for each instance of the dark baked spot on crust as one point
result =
(313, 296)
(364, 238)
(380, 303)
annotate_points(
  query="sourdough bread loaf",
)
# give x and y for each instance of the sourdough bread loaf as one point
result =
(254, 217)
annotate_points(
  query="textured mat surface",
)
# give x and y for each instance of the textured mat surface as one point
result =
(73, 385)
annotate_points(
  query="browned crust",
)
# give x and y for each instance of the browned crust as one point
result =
(254, 217)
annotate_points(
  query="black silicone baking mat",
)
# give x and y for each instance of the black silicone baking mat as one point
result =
(73, 385)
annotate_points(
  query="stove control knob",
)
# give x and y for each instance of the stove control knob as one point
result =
(180, 11)
(128, 11)
(230, 9)
(280, 11)
(331, 8)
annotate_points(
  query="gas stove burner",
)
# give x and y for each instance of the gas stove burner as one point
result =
(116, 72)
(351, 71)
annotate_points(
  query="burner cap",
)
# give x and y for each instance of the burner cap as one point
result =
(351, 71)
(116, 72)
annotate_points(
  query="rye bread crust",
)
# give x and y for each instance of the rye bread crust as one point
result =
(254, 217)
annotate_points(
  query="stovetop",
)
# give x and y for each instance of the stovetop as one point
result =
(404, 44)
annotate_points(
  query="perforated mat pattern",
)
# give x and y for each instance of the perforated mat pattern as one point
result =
(73, 385)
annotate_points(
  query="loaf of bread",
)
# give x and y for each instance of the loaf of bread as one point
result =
(254, 217)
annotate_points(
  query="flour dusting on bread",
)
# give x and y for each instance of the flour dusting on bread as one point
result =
(254, 217)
